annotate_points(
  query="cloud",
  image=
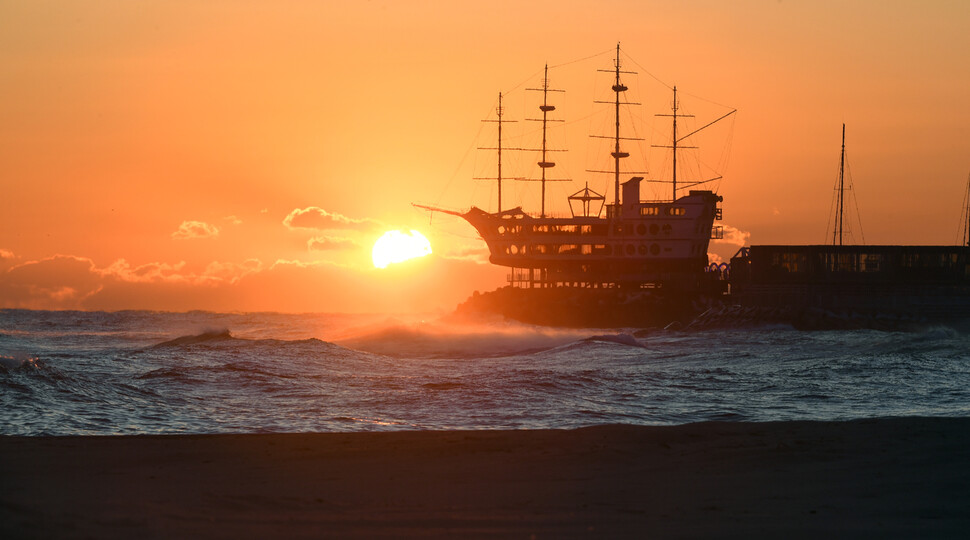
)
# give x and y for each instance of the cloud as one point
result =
(475, 254)
(7, 258)
(195, 229)
(733, 237)
(146, 273)
(233, 220)
(328, 243)
(71, 282)
(313, 217)
(724, 248)
(57, 282)
(228, 272)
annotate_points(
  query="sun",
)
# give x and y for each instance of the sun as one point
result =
(399, 246)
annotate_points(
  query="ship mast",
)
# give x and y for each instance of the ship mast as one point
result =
(966, 224)
(837, 230)
(675, 107)
(617, 154)
(499, 119)
(545, 108)
(498, 114)
(544, 163)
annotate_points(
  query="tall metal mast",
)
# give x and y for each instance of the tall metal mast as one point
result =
(837, 231)
(499, 114)
(674, 145)
(966, 224)
(546, 109)
(617, 153)
(544, 163)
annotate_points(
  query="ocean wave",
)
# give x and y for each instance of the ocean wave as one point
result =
(208, 336)
(434, 340)
(443, 385)
(606, 344)
(18, 361)
(223, 337)
(202, 373)
(619, 339)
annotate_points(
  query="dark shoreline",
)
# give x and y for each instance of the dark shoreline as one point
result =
(891, 477)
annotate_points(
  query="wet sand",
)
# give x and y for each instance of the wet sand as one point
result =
(895, 478)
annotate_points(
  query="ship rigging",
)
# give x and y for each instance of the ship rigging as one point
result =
(637, 244)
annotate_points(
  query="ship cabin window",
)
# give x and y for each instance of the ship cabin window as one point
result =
(569, 249)
(929, 260)
(791, 262)
(649, 211)
(601, 249)
(675, 211)
(587, 249)
(586, 229)
(841, 262)
(501, 229)
(870, 262)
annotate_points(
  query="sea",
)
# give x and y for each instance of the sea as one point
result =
(143, 372)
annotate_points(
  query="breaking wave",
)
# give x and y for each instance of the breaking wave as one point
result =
(143, 372)
(442, 339)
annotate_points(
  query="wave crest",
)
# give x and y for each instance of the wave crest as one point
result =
(208, 336)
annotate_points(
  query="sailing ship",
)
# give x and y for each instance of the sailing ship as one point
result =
(628, 244)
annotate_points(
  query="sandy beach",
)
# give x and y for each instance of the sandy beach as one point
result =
(900, 478)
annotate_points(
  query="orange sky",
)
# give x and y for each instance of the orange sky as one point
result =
(151, 152)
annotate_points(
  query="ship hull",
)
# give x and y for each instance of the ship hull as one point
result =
(637, 245)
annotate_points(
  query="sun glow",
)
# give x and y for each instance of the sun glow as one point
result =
(398, 246)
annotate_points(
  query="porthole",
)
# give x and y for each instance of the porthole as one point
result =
(514, 250)
(655, 249)
(501, 229)
(641, 229)
(668, 229)
(642, 250)
(654, 229)
(630, 250)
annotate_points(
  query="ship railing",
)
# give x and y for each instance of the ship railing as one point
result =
(519, 277)
(719, 271)
(555, 215)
